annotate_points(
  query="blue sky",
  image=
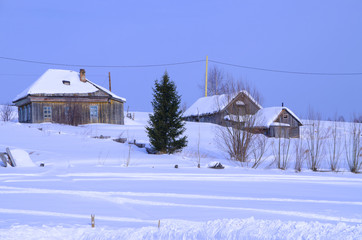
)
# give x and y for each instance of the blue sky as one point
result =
(303, 36)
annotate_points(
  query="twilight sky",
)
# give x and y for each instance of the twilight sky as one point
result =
(300, 36)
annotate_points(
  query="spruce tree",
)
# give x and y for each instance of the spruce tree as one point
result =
(165, 126)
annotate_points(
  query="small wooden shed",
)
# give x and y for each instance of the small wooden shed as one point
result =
(277, 122)
(215, 109)
(65, 96)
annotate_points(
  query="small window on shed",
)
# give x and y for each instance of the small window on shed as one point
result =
(240, 103)
(66, 82)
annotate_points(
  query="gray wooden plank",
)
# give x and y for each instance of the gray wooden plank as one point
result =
(12, 160)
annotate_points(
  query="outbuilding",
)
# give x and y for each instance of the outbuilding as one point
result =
(277, 122)
(215, 109)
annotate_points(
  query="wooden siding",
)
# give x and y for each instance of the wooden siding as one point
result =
(292, 131)
(249, 107)
(71, 109)
(108, 112)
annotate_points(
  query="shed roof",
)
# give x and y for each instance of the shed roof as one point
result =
(213, 104)
(51, 82)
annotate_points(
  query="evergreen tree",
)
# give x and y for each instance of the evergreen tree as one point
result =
(165, 126)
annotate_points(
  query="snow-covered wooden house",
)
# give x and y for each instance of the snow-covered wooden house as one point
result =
(215, 109)
(241, 110)
(65, 96)
(277, 122)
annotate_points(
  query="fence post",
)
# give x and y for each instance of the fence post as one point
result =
(92, 220)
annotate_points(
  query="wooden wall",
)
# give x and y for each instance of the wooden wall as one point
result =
(293, 131)
(108, 112)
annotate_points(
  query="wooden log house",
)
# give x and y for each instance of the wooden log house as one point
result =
(68, 97)
(242, 111)
(215, 109)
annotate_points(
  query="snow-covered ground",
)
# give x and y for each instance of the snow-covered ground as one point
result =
(84, 175)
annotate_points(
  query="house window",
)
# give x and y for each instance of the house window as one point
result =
(93, 112)
(66, 111)
(285, 116)
(47, 113)
(65, 82)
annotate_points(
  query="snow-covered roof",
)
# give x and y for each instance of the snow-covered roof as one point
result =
(51, 82)
(265, 117)
(216, 103)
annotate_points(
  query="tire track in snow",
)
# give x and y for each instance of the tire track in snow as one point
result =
(16, 190)
(109, 196)
(211, 177)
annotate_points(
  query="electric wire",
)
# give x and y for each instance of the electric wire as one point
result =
(284, 71)
(183, 63)
(102, 66)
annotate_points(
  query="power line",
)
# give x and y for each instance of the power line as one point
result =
(102, 66)
(31, 75)
(284, 71)
(182, 63)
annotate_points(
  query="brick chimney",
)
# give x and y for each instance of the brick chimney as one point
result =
(82, 75)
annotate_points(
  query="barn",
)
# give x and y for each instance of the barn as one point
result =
(68, 97)
(215, 109)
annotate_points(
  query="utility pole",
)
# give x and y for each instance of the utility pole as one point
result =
(110, 86)
(206, 77)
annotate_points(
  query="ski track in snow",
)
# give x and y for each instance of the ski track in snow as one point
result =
(113, 197)
(195, 177)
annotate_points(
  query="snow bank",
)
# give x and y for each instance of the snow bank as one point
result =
(22, 158)
(248, 228)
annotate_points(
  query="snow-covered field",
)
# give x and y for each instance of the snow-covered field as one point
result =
(84, 175)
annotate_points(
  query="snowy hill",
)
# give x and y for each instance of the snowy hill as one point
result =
(86, 173)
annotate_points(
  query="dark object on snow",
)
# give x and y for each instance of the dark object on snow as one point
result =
(140, 145)
(216, 165)
(120, 140)
(102, 137)
(176, 166)
(41, 165)
(11, 158)
(5, 159)
(151, 150)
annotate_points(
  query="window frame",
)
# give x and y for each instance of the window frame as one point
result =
(93, 113)
(47, 113)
